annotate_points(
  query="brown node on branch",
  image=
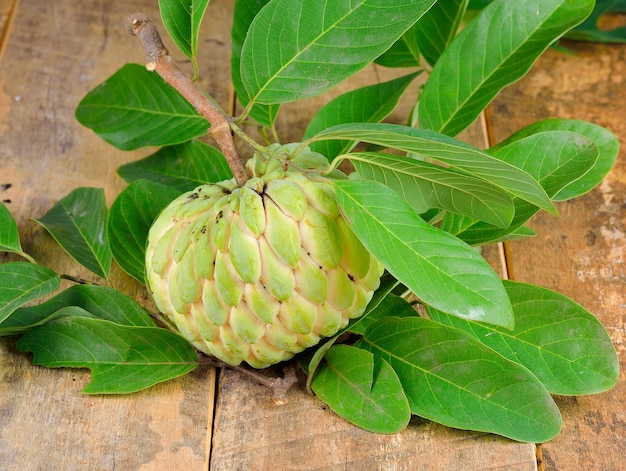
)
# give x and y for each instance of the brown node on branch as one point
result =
(140, 25)
(159, 61)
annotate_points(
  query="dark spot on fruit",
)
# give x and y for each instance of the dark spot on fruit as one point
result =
(351, 277)
(219, 216)
(203, 230)
(6, 186)
(7, 201)
(193, 196)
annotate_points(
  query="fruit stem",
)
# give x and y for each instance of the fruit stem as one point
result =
(158, 59)
(278, 386)
(251, 142)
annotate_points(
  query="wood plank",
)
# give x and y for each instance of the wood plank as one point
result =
(56, 52)
(252, 433)
(582, 253)
(37, 137)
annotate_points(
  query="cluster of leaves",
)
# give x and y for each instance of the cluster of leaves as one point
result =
(84, 326)
(485, 354)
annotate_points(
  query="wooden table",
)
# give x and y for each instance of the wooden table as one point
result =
(52, 53)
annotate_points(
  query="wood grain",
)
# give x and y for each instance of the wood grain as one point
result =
(56, 52)
(54, 56)
(252, 433)
(582, 253)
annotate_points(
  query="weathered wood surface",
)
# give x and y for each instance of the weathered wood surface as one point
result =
(55, 53)
(7, 7)
(582, 254)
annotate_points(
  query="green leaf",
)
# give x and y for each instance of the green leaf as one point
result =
(425, 186)
(440, 269)
(100, 301)
(436, 29)
(122, 359)
(605, 141)
(244, 12)
(520, 233)
(132, 215)
(477, 233)
(478, 4)
(454, 153)
(362, 391)
(135, 108)
(182, 21)
(450, 377)
(9, 234)
(297, 49)
(392, 306)
(183, 166)
(404, 52)
(589, 30)
(368, 104)
(554, 158)
(22, 321)
(387, 284)
(495, 49)
(78, 224)
(22, 282)
(562, 343)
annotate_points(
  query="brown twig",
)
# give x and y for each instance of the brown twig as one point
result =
(77, 280)
(278, 386)
(159, 60)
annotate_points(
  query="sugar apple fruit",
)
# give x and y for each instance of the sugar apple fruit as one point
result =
(260, 272)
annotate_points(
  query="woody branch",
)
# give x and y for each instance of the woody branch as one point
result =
(159, 60)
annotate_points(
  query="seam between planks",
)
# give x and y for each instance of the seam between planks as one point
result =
(212, 419)
(504, 253)
(232, 109)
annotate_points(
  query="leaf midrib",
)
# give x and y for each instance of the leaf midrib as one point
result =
(462, 104)
(85, 241)
(425, 260)
(294, 59)
(429, 373)
(405, 172)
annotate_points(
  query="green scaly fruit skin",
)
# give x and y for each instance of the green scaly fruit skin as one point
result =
(260, 272)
